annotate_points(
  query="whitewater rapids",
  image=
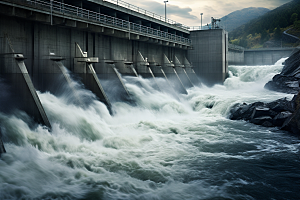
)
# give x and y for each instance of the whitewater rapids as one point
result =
(162, 148)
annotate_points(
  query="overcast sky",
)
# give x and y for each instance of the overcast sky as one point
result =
(187, 12)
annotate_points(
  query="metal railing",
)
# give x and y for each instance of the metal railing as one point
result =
(147, 13)
(206, 27)
(235, 47)
(62, 8)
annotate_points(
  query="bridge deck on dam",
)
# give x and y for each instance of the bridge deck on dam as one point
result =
(126, 24)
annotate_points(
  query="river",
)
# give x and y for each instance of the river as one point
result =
(164, 147)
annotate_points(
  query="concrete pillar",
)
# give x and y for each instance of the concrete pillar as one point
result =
(209, 55)
(24, 96)
(84, 68)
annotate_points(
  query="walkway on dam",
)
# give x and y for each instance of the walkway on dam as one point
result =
(65, 11)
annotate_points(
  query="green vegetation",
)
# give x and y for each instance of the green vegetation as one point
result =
(240, 17)
(267, 29)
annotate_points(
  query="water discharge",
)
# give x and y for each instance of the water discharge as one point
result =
(163, 148)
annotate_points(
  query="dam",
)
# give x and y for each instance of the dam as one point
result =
(265, 56)
(91, 109)
(98, 41)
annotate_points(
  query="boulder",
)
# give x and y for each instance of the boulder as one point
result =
(243, 111)
(274, 114)
(292, 124)
(289, 78)
(282, 105)
(292, 64)
(284, 84)
(262, 120)
(281, 113)
(260, 111)
(280, 118)
(2, 149)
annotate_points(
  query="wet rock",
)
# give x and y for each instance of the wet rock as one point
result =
(281, 113)
(260, 111)
(292, 124)
(288, 80)
(281, 118)
(268, 124)
(2, 149)
(262, 120)
(292, 64)
(284, 84)
(273, 114)
(282, 105)
(243, 111)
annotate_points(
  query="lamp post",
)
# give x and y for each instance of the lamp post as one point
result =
(201, 20)
(166, 10)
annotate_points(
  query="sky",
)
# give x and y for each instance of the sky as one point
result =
(187, 12)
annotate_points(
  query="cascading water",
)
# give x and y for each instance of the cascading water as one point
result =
(162, 148)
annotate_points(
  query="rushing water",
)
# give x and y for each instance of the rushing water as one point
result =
(162, 148)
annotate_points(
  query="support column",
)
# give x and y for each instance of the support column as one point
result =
(83, 67)
(16, 73)
(208, 55)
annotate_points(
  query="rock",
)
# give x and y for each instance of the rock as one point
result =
(281, 113)
(268, 124)
(281, 118)
(292, 64)
(271, 114)
(288, 80)
(285, 84)
(292, 124)
(2, 149)
(262, 120)
(260, 111)
(243, 111)
(281, 105)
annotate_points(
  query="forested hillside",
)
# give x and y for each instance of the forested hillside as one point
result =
(268, 28)
(240, 17)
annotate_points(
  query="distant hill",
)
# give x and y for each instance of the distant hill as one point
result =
(267, 27)
(240, 17)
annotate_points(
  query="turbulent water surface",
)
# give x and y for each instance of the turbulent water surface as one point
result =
(164, 147)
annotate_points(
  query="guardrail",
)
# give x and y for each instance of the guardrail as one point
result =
(206, 27)
(148, 13)
(59, 7)
(235, 47)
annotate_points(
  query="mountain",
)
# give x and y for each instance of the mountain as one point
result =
(268, 26)
(240, 17)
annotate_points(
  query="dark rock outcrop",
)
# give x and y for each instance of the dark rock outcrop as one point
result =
(280, 113)
(2, 149)
(288, 80)
(273, 114)
(292, 124)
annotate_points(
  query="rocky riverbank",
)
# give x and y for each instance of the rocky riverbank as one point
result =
(281, 113)
(288, 80)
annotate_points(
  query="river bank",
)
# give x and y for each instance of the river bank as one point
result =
(281, 113)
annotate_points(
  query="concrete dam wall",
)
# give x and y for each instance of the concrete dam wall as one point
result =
(38, 49)
(267, 56)
(43, 43)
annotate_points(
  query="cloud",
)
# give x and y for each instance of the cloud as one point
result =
(188, 12)
(172, 10)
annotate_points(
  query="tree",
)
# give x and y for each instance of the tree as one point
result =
(294, 18)
(264, 35)
(297, 24)
(277, 34)
(243, 42)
